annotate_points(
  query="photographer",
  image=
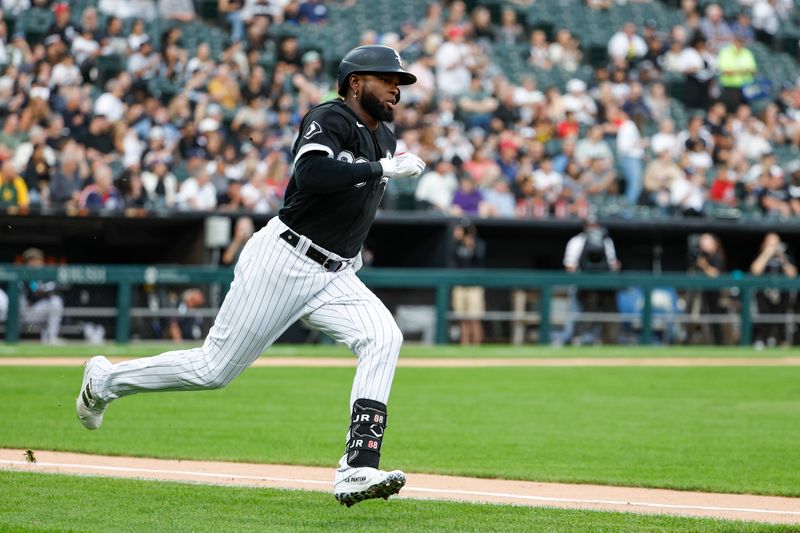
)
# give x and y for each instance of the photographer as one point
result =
(469, 302)
(772, 260)
(592, 250)
(707, 257)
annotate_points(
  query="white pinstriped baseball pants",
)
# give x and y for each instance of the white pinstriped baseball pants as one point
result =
(274, 285)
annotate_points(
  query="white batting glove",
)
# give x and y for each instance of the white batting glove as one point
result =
(405, 165)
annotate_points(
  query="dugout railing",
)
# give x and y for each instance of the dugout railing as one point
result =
(441, 281)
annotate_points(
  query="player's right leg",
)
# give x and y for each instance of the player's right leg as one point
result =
(271, 284)
(351, 314)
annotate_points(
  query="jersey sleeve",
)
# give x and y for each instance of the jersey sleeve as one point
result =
(322, 131)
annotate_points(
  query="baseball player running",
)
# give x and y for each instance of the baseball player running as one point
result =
(302, 265)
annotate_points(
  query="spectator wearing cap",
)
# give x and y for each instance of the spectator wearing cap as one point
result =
(62, 25)
(313, 12)
(626, 47)
(578, 101)
(13, 191)
(737, 67)
(40, 302)
(453, 59)
(144, 63)
(102, 194)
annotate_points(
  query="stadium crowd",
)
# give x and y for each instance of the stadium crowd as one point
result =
(221, 138)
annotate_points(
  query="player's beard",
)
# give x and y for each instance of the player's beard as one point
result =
(376, 108)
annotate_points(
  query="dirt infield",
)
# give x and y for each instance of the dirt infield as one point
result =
(465, 362)
(422, 486)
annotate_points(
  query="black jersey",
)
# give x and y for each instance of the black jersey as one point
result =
(333, 200)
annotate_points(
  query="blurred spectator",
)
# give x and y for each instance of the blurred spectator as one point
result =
(579, 102)
(436, 187)
(715, 28)
(232, 11)
(774, 197)
(69, 178)
(630, 148)
(243, 230)
(40, 302)
(665, 139)
(687, 193)
(724, 188)
(498, 200)
(737, 67)
(188, 325)
(469, 302)
(179, 10)
(707, 257)
(698, 64)
(467, 198)
(144, 62)
(476, 105)
(548, 181)
(102, 194)
(482, 30)
(565, 51)
(593, 147)
(626, 46)
(132, 190)
(13, 191)
(539, 53)
(599, 180)
(773, 260)
(37, 176)
(124, 9)
(313, 12)
(197, 193)
(160, 185)
(766, 21)
(510, 31)
(592, 250)
(231, 199)
(452, 64)
(10, 135)
(743, 26)
(62, 26)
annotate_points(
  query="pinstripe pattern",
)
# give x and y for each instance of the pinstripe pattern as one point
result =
(274, 285)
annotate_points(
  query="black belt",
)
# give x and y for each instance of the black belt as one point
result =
(328, 263)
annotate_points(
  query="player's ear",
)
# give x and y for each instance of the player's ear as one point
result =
(355, 83)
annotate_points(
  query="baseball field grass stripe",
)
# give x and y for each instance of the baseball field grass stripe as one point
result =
(108, 504)
(710, 429)
(410, 488)
(409, 350)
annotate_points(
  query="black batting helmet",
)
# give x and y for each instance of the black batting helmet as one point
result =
(372, 58)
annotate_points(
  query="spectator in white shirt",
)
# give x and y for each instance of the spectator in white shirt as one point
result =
(626, 46)
(548, 182)
(630, 149)
(110, 102)
(436, 187)
(688, 194)
(665, 139)
(593, 147)
(197, 193)
(452, 64)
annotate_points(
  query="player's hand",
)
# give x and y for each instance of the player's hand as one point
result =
(405, 165)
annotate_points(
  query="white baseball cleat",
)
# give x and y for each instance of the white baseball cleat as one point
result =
(90, 408)
(354, 484)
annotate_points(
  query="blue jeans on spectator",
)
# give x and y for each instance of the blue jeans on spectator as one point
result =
(632, 170)
(234, 18)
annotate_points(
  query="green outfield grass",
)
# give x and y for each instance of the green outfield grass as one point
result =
(409, 350)
(711, 429)
(44, 502)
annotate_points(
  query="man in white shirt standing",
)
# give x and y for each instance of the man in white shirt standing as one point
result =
(630, 149)
(626, 46)
(437, 187)
(452, 64)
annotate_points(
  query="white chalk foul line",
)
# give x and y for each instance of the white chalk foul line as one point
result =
(408, 488)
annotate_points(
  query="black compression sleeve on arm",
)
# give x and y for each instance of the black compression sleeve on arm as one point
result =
(320, 174)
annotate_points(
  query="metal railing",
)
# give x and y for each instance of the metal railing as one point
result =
(441, 281)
